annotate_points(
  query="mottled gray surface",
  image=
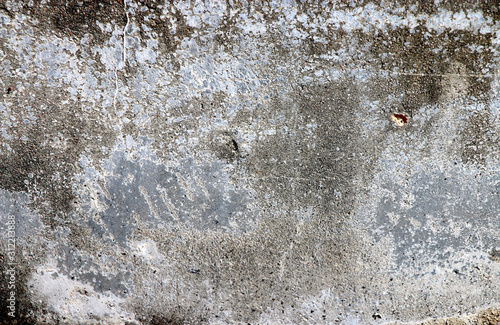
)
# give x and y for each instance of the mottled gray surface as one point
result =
(236, 162)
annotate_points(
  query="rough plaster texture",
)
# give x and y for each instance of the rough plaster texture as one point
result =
(236, 162)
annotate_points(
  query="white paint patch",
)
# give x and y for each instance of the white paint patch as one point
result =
(147, 249)
(75, 300)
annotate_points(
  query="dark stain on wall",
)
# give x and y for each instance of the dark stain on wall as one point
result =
(225, 146)
(317, 163)
(422, 59)
(75, 17)
(477, 139)
(44, 153)
(34, 168)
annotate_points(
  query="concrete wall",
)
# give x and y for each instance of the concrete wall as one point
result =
(263, 162)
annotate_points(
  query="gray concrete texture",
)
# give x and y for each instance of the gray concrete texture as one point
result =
(261, 162)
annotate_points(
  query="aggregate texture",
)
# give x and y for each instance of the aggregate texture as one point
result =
(250, 162)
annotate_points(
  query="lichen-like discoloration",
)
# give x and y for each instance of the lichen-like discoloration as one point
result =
(195, 162)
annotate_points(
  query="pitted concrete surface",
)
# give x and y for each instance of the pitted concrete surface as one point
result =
(261, 162)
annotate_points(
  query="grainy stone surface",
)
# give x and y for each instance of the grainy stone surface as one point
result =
(262, 162)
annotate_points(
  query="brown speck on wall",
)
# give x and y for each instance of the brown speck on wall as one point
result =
(399, 119)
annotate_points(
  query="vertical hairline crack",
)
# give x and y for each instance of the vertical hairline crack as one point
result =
(124, 56)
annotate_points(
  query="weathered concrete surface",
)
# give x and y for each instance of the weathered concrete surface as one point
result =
(236, 162)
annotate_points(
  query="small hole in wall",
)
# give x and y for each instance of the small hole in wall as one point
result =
(234, 145)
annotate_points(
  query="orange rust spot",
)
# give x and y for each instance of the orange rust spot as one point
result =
(399, 119)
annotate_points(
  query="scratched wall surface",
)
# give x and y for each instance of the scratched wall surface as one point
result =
(256, 162)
